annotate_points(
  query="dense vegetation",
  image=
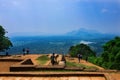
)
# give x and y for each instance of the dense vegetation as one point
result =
(5, 43)
(110, 57)
(83, 49)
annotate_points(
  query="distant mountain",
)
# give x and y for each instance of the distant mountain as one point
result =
(92, 34)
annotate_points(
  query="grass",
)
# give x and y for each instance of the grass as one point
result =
(43, 59)
(72, 64)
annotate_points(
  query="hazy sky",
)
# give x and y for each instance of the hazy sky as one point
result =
(59, 16)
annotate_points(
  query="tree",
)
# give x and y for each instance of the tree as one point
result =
(83, 49)
(5, 43)
(111, 55)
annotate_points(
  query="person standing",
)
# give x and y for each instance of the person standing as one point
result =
(79, 57)
(27, 51)
(24, 51)
(6, 53)
(63, 58)
(86, 58)
(53, 59)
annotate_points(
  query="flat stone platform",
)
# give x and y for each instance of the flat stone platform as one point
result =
(53, 76)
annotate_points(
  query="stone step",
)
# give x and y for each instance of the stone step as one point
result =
(53, 76)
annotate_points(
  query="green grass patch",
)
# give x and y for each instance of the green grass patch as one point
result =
(43, 59)
(72, 64)
(91, 67)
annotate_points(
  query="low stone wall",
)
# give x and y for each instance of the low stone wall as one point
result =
(10, 60)
(16, 68)
(25, 65)
(57, 74)
(26, 62)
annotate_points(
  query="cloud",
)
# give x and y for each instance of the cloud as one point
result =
(104, 10)
(86, 42)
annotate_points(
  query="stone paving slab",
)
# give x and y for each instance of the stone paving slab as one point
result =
(52, 76)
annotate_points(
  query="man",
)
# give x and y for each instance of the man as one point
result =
(27, 51)
(53, 59)
(23, 51)
(79, 57)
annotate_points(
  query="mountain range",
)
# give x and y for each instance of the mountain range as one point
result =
(90, 34)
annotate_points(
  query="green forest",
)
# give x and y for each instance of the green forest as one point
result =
(109, 58)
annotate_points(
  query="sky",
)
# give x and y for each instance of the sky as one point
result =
(53, 17)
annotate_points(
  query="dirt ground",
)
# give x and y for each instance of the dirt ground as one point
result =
(115, 76)
(4, 66)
